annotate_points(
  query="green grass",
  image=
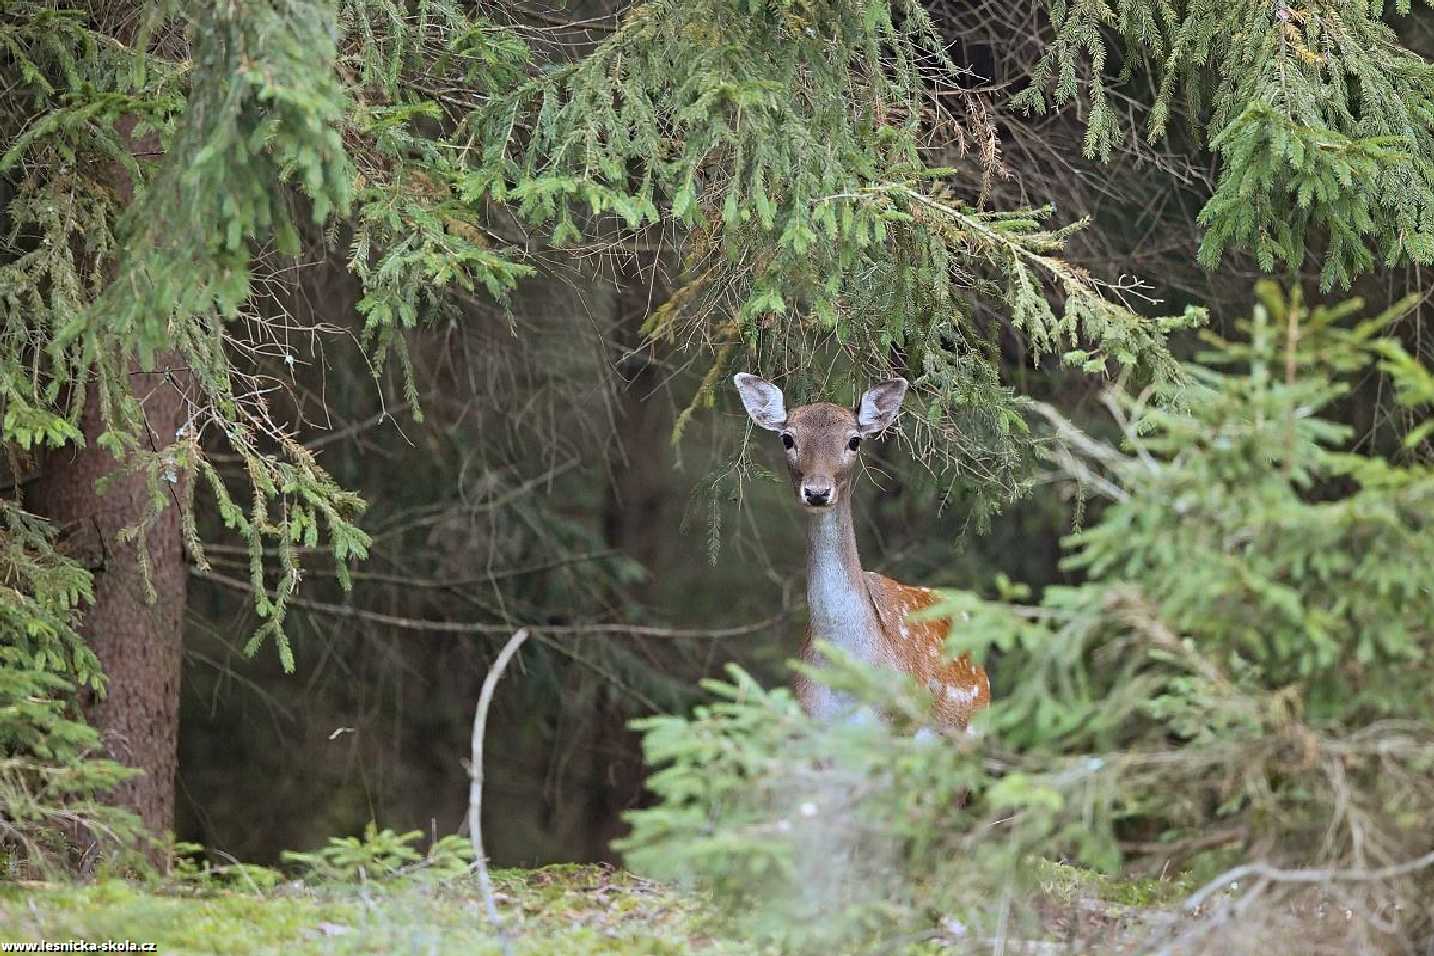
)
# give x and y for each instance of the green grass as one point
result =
(556, 909)
(560, 909)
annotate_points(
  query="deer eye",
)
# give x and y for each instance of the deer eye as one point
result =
(854, 444)
(788, 442)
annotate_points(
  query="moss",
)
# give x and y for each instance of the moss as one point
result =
(220, 923)
(1066, 883)
(556, 909)
(566, 908)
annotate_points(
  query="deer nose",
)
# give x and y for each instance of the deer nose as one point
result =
(817, 495)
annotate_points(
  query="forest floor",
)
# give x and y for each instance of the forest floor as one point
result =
(578, 909)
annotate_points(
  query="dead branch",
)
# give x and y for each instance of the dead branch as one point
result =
(475, 786)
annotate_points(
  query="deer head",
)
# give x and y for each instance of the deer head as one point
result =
(822, 440)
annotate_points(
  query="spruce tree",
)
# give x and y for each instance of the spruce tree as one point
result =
(1234, 691)
(1318, 116)
(166, 163)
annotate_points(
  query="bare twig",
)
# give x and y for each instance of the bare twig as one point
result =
(1094, 448)
(476, 627)
(498, 574)
(475, 786)
(1071, 440)
(1315, 875)
(372, 421)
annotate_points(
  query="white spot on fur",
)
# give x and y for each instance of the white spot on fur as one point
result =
(960, 695)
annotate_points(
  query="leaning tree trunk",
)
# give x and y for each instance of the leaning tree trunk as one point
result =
(137, 641)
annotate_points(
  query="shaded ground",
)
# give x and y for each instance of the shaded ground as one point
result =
(554, 910)
(558, 909)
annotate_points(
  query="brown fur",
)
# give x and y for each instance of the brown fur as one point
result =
(958, 687)
(866, 614)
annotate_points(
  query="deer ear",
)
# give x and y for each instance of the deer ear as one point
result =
(878, 407)
(763, 401)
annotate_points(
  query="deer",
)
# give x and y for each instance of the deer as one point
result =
(867, 615)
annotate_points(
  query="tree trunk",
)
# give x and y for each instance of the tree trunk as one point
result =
(138, 642)
(638, 517)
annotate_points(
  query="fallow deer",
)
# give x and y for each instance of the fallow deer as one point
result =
(865, 614)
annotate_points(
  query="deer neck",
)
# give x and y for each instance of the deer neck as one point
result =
(837, 597)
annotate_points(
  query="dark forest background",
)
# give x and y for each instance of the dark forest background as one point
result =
(544, 486)
(573, 471)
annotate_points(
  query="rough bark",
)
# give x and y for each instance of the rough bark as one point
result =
(138, 642)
